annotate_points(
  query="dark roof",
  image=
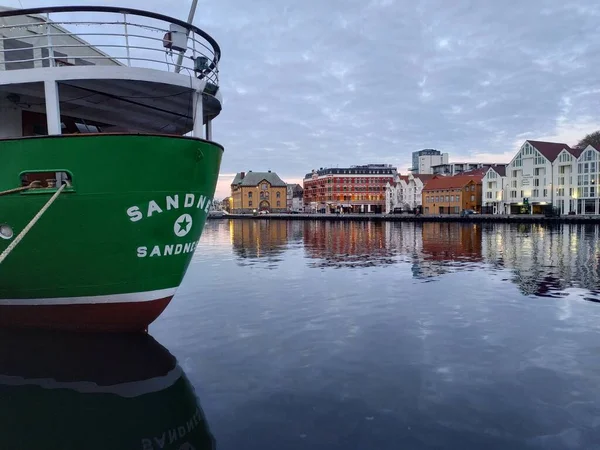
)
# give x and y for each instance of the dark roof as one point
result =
(455, 182)
(254, 179)
(376, 169)
(500, 169)
(480, 172)
(550, 150)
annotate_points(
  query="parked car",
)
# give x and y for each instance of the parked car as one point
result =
(467, 212)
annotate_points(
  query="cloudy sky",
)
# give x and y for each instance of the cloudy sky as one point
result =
(317, 83)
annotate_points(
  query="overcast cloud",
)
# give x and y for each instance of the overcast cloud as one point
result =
(309, 84)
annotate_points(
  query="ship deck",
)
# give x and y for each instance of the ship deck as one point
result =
(117, 69)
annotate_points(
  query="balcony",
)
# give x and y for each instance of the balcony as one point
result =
(105, 36)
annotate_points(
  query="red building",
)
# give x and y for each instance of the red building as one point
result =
(357, 189)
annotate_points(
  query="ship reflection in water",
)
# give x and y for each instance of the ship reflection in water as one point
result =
(542, 260)
(67, 391)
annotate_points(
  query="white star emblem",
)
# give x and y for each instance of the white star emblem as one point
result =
(183, 225)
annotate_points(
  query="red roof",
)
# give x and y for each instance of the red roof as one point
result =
(480, 173)
(455, 182)
(550, 150)
(424, 177)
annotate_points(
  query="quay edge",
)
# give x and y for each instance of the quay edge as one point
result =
(478, 218)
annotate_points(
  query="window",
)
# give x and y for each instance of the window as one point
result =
(18, 51)
(278, 203)
(264, 186)
(250, 203)
(472, 198)
(249, 194)
(278, 195)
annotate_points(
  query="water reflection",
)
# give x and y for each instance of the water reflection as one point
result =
(346, 244)
(63, 391)
(254, 239)
(542, 260)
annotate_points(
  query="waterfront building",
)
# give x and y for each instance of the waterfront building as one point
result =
(356, 189)
(258, 191)
(405, 192)
(295, 196)
(424, 160)
(492, 189)
(451, 195)
(532, 173)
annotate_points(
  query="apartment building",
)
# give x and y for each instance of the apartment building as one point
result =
(357, 189)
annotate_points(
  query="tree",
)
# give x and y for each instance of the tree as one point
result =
(592, 139)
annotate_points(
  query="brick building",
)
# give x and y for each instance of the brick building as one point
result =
(357, 189)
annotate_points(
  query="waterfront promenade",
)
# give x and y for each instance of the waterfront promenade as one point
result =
(474, 218)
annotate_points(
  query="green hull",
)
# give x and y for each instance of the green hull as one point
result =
(129, 224)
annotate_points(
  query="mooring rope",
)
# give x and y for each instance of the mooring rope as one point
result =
(21, 189)
(30, 225)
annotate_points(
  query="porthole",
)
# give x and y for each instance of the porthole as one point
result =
(6, 231)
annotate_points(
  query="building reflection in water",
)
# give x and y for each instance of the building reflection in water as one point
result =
(260, 238)
(86, 391)
(347, 244)
(543, 260)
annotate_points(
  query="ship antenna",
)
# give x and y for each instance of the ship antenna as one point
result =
(190, 20)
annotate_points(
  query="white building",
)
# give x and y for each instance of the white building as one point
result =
(492, 189)
(405, 192)
(579, 186)
(550, 173)
(426, 162)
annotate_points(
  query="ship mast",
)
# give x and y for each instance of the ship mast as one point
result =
(190, 20)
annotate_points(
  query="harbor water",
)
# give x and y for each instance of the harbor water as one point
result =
(381, 335)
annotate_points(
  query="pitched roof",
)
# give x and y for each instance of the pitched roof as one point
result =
(500, 169)
(254, 178)
(550, 150)
(455, 182)
(479, 173)
(424, 177)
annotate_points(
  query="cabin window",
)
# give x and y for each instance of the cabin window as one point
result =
(60, 59)
(15, 50)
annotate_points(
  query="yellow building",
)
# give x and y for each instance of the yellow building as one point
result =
(257, 191)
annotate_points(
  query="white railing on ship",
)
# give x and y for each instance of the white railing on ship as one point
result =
(131, 35)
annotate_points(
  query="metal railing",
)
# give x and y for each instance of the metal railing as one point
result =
(52, 36)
